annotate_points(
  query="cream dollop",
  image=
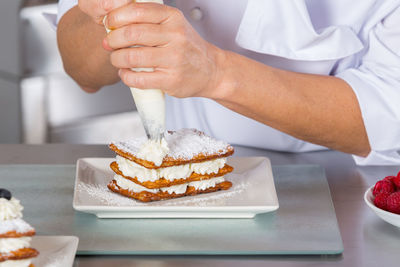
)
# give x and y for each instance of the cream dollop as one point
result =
(16, 263)
(154, 151)
(12, 244)
(10, 209)
(131, 169)
(177, 189)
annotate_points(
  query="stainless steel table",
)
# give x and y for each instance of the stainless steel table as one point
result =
(368, 241)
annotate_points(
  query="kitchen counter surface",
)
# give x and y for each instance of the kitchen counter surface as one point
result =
(368, 241)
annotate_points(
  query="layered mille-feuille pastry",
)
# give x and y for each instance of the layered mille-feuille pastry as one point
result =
(185, 162)
(15, 233)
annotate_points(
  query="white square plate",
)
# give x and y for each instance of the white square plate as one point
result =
(55, 251)
(253, 192)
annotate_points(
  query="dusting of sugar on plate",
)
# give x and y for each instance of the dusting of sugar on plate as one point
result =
(183, 144)
(105, 196)
(56, 259)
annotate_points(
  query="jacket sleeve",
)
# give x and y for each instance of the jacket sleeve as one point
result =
(376, 83)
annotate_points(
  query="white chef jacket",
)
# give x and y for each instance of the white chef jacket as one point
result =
(358, 41)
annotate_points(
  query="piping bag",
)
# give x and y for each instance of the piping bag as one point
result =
(150, 103)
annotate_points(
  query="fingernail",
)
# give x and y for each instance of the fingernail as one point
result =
(119, 72)
(106, 46)
(107, 23)
(104, 21)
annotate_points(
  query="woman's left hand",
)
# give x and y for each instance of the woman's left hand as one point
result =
(184, 64)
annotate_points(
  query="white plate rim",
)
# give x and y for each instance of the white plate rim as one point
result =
(71, 242)
(171, 209)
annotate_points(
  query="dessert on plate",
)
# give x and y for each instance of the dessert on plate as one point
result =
(185, 162)
(15, 233)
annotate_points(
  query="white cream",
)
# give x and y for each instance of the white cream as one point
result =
(16, 263)
(204, 184)
(177, 189)
(18, 225)
(131, 169)
(208, 167)
(150, 104)
(154, 151)
(131, 186)
(10, 209)
(12, 244)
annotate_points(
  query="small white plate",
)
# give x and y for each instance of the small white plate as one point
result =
(253, 192)
(55, 251)
(387, 216)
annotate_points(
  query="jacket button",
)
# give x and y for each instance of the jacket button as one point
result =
(196, 13)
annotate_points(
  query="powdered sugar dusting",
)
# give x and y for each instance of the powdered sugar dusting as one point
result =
(17, 225)
(183, 144)
(56, 258)
(104, 195)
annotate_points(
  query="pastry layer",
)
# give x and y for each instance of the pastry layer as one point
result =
(14, 234)
(185, 146)
(23, 253)
(15, 228)
(132, 169)
(168, 161)
(146, 196)
(162, 182)
(177, 189)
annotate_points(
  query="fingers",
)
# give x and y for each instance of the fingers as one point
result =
(106, 46)
(139, 57)
(139, 13)
(97, 9)
(137, 34)
(143, 80)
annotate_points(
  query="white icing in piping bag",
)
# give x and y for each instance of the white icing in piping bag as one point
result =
(150, 103)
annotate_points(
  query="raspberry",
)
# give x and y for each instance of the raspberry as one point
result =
(389, 178)
(396, 181)
(383, 186)
(393, 203)
(381, 201)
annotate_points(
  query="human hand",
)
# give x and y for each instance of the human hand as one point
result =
(97, 9)
(184, 64)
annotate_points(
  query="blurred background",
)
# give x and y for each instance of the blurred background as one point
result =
(39, 103)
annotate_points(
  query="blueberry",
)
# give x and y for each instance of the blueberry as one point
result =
(4, 193)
